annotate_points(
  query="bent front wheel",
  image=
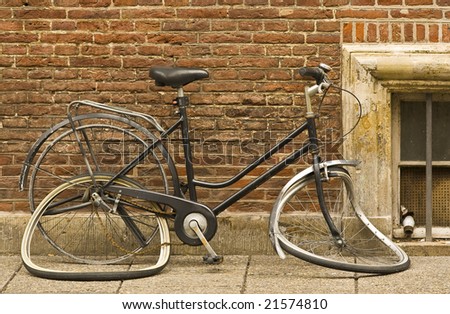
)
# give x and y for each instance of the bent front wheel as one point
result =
(301, 230)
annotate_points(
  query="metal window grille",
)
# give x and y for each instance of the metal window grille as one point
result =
(425, 161)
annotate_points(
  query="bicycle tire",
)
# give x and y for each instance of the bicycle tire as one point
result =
(301, 230)
(93, 237)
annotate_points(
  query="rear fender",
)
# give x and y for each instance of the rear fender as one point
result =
(30, 159)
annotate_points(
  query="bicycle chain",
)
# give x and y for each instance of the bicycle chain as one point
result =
(146, 208)
(169, 215)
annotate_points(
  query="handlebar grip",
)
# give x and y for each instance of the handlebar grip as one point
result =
(316, 73)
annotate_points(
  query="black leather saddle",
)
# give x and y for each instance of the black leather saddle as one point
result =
(176, 77)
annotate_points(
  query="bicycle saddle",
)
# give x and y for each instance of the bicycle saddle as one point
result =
(176, 77)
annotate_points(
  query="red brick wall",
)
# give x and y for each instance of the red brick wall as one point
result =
(56, 51)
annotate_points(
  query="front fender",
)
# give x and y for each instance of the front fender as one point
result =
(273, 227)
(322, 165)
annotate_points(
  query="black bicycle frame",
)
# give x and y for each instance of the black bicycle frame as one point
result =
(182, 102)
(310, 145)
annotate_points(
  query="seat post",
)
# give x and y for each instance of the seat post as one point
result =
(180, 92)
(183, 102)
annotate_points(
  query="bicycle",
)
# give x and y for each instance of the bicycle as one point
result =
(104, 188)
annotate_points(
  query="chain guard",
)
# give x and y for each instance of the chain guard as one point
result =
(182, 207)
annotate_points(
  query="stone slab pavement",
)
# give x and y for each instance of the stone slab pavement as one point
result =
(242, 274)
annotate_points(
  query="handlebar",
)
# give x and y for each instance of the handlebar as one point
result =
(318, 73)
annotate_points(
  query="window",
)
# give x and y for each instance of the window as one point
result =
(415, 119)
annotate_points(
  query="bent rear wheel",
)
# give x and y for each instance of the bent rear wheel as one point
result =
(71, 226)
(96, 143)
(302, 231)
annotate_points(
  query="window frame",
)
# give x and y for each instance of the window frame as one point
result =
(397, 164)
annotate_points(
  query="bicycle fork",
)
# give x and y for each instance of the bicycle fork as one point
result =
(339, 241)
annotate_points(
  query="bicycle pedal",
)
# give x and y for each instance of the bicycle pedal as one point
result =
(212, 260)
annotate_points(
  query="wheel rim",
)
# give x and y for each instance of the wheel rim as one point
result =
(99, 230)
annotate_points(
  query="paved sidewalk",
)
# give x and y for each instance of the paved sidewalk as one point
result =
(255, 274)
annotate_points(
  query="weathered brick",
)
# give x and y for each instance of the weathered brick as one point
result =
(224, 25)
(325, 38)
(65, 38)
(119, 38)
(95, 50)
(11, 26)
(148, 13)
(279, 38)
(93, 14)
(6, 61)
(230, 74)
(95, 62)
(362, 14)
(359, 32)
(44, 61)
(417, 13)
(214, 13)
(332, 3)
(265, 13)
(396, 32)
(390, 2)
(66, 50)
(420, 32)
(93, 26)
(384, 32)
(171, 38)
(347, 32)
(418, 2)
(362, 2)
(40, 50)
(302, 26)
(37, 25)
(239, 37)
(328, 26)
(252, 75)
(372, 32)
(276, 26)
(228, 50)
(31, 13)
(446, 33)
(18, 38)
(59, 25)
(433, 33)
(301, 13)
(12, 73)
(279, 51)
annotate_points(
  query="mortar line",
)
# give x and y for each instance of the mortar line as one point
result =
(5, 286)
(356, 285)
(244, 282)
